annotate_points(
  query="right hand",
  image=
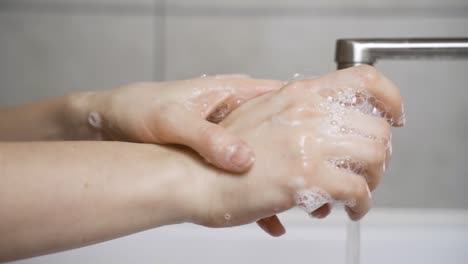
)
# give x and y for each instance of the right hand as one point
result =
(303, 153)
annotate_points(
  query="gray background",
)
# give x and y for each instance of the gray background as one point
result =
(52, 47)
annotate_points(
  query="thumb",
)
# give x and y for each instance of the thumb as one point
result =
(213, 142)
(219, 147)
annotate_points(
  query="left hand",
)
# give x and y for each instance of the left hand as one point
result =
(179, 112)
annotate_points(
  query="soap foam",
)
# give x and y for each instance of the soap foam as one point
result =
(358, 101)
(313, 198)
(348, 164)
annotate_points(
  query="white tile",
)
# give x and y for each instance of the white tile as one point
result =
(47, 54)
(320, 3)
(428, 169)
(278, 47)
(82, 2)
(306, 240)
(430, 153)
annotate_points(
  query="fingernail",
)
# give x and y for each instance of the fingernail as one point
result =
(265, 227)
(240, 156)
(402, 119)
(368, 192)
(317, 215)
(352, 215)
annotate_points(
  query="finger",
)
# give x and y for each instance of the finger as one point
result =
(322, 212)
(368, 78)
(248, 87)
(216, 145)
(374, 128)
(232, 75)
(211, 141)
(359, 125)
(272, 225)
(361, 156)
(241, 89)
(349, 188)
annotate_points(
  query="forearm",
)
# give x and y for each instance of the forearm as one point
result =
(57, 118)
(56, 196)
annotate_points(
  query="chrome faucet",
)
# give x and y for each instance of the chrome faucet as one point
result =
(351, 52)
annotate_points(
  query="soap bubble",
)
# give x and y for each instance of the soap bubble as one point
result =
(311, 199)
(95, 120)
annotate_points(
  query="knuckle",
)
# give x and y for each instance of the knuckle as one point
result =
(360, 189)
(369, 71)
(387, 130)
(211, 136)
(374, 180)
(368, 74)
(377, 152)
(384, 131)
(166, 118)
(343, 192)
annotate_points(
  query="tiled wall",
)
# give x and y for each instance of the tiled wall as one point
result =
(51, 47)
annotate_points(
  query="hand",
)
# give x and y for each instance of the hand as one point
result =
(317, 142)
(179, 112)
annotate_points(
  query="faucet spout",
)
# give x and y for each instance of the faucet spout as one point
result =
(351, 52)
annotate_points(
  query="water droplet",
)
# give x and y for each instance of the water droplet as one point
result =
(375, 111)
(227, 217)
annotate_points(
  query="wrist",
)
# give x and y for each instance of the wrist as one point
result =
(76, 116)
(177, 196)
(201, 187)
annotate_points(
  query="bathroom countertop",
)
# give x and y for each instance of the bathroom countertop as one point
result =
(388, 236)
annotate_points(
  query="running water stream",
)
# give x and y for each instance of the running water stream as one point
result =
(353, 242)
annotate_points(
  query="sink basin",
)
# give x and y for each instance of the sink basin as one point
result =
(388, 236)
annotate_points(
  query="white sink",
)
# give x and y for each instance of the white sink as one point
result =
(388, 236)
